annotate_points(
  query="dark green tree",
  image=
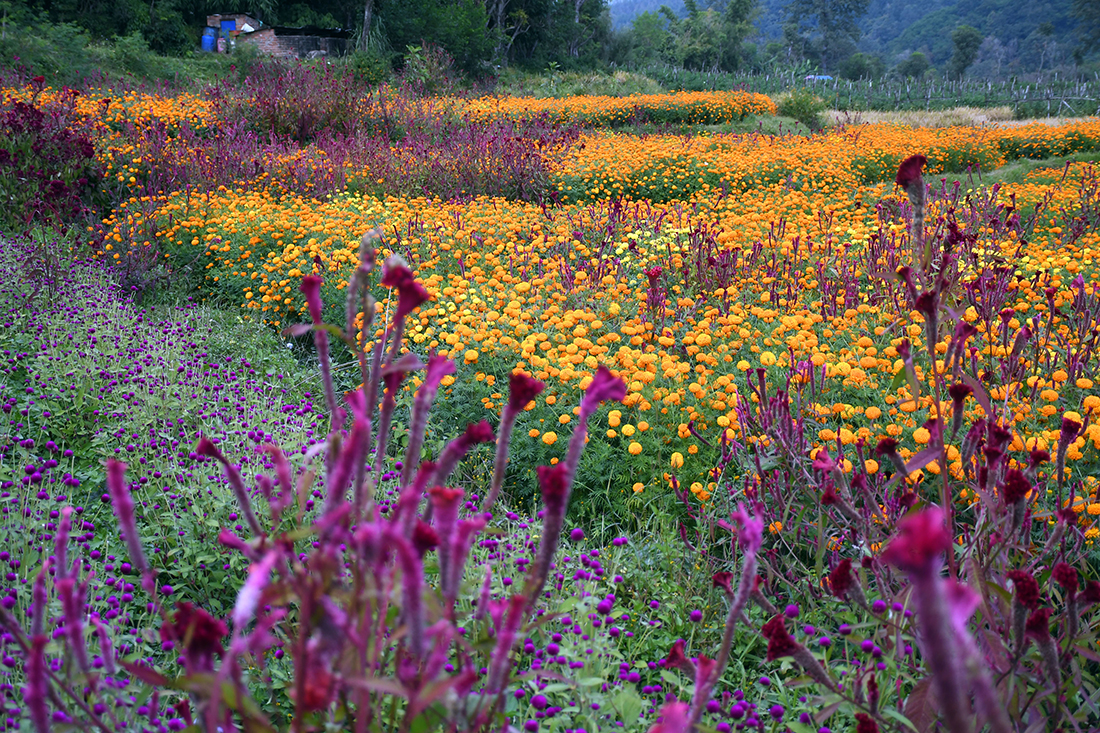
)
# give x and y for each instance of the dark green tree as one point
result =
(460, 27)
(830, 27)
(737, 19)
(913, 67)
(650, 40)
(862, 66)
(967, 40)
(1087, 13)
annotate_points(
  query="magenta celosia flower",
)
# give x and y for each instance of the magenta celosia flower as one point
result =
(37, 688)
(1016, 486)
(311, 289)
(750, 530)
(123, 505)
(866, 724)
(840, 579)
(1038, 624)
(506, 637)
(555, 490)
(674, 719)
(910, 170)
(723, 580)
(922, 539)
(605, 386)
(199, 635)
(676, 658)
(1065, 576)
(410, 293)
(522, 389)
(1027, 589)
(780, 642)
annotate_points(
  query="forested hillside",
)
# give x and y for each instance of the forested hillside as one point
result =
(1023, 35)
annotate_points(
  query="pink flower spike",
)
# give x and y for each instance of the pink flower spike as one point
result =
(922, 539)
(37, 688)
(675, 718)
(258, 576)
(123, 504)
(311, 288)
(604, 386)
(522, 389)
(962, 601)
(750, 530)
(410, 293)
(824, 462)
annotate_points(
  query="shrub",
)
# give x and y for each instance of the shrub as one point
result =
(48, 171)
(803, 105)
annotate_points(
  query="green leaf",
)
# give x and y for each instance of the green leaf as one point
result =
(891, 713)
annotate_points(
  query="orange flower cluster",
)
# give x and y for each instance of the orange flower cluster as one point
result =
(693, 108)
(683, 298)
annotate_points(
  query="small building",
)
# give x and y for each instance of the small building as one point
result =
(298, 43)
(239, 22)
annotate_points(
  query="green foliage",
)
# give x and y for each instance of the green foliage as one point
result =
(369, 68)
(914, 67)
(458, 27)
(967, 40)
(860, 66)
(827, 29)
(803, 105)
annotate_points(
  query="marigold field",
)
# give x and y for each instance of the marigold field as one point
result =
(684, 263)
(849, 377)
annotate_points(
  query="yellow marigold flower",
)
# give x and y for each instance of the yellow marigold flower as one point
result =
(643, 426)
(471, 356)
(775, 527)
(921, 435)
(549, 437)
(613, 420)
(873, 413)
(639, 487)
(628, 430)
(871, 467)
(677, 460)
(1094, 509)
(563, 419)
(767, 358)
(533, 433)
(635, 448)
(612, 434)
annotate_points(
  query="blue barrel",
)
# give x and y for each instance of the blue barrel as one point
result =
(208, 35)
